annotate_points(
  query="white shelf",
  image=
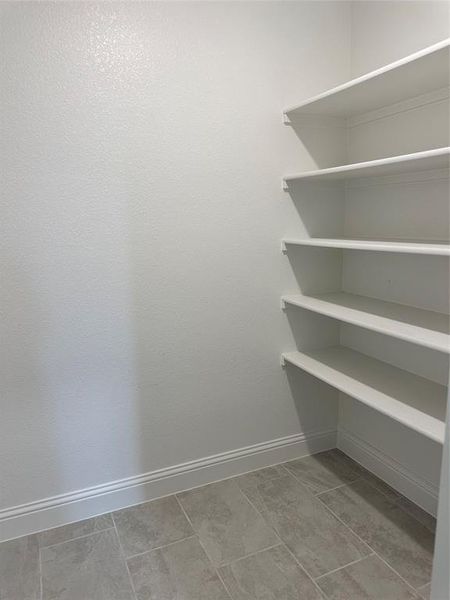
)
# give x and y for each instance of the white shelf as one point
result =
(434, 248)
(416, 402)
(425, 328)
(417, 74)
(437, 158)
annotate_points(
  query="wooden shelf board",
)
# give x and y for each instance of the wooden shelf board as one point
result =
(423, 327)
(433, 248)
(436, 158)
(414, 401)
(412, 76)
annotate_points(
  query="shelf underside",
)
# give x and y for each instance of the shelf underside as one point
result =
(414, 401)
(425, 328)
(436, 158)
(434, 248)
(415, 75)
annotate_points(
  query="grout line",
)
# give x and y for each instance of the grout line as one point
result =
(227, 591)
(231, 477)
(279, 543)
(303, 569)
(247, 555)
(397, 503)
(192, 525)
(338, 487)
(395, 500)
(79, 537)
(308, 487)
(372, 485)
(266, 522)
(372, 551)
(195, 531)
(381, 491)
(288, 472)
(231, 562)
(398, 574)
(203, 548)
(41, 583)
(345, 525)
(421, 591)
(353, 562)
(130, 579)
(285, 469)
(280, 538)
(62, 525)
(189, 537)
(184, 512)
(368, 545)
(122, 553)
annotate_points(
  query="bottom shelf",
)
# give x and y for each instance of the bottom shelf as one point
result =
(414, 401)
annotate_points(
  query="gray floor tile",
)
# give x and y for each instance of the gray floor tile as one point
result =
(150, 525)
(381, 486)
(425, 518)
(228, 526)
(180, 571)
(265, 474)
(425, 591)
(74, 530)
(368, 579)
(405, 544)
(316, 538)
(19, 569)
(249, 482)
(268, 575)
(90, 567)
(325, 471)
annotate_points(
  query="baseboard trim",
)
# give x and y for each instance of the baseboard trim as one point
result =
(82, 504)
(389, 470)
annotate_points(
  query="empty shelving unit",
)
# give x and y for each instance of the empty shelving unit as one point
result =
(370, 256)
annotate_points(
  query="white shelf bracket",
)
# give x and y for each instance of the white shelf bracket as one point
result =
(282, 361)
(283, 247)
(285, 119)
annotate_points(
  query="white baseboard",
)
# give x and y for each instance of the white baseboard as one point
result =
(389, 470)
(83, 504)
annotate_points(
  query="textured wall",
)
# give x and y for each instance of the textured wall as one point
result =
(142, 149)
(387, 30)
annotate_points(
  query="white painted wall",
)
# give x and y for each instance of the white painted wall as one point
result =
(440, 585)
(142, 151)
(386, 30)
(413, 208)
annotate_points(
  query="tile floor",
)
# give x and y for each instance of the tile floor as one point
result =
(316, 528)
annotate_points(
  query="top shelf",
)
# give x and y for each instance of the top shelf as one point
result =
(417, 74)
